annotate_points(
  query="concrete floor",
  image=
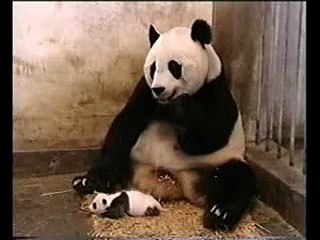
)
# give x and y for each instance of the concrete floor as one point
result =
(58, 215)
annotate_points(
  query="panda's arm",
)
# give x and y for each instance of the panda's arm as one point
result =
(113, 166)
(206, 120)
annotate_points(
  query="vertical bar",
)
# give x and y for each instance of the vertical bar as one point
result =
(215, 24)
(271, 75)
(260, 76)
(301, 67)
(281, 69)
(303, 91)
(297, 98)
(267, 76)
(214, 15)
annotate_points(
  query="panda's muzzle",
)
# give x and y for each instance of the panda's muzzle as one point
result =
(167, 99)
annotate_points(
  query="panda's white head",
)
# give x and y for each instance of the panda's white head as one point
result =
(180, 61)
(102, 202)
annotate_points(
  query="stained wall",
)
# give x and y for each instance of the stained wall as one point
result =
(76, 63)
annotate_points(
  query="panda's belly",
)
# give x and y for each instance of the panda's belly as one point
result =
(158, 146)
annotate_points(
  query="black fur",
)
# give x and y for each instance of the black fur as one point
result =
(175, 69)
(201, 32)
(118, 208)
(153, 35)
(152, 212)
(229, 187)
(152, 69)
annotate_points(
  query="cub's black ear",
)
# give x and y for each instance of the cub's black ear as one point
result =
(201, 31)
(153, 35)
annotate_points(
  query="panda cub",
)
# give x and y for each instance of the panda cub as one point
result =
(120, 204)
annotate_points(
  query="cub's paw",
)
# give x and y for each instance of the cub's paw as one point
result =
(221, 218)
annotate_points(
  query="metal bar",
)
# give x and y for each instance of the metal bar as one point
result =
(301, 65)
(272, 71)
(268, 71)
(260, 78)
(215, 15)
(296, 99)
(304, 79)
(281, 69)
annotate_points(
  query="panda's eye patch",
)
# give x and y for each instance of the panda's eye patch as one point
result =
(104, 201)
(152, 69)
(94, 205)
(175, 69)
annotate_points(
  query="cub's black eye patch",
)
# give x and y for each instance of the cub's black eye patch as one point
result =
(94, 205)
(152, 69)
(175, 68)
(104, 201)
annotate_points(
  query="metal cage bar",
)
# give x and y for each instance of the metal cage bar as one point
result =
(281, 77)
(281, 69)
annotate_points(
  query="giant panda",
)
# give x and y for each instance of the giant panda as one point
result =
(181, 118)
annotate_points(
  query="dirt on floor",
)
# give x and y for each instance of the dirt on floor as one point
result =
(47, 207)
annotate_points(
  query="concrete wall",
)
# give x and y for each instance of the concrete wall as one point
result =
(76, 63)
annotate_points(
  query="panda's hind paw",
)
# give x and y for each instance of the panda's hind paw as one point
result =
(220, 218)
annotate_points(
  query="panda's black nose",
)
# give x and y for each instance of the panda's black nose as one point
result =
(158, 90)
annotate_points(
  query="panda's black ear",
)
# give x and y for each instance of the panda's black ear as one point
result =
(153, 35)
(201, 31)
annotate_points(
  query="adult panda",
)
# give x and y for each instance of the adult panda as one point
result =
(182, 119)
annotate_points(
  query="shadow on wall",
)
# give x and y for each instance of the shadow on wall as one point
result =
(76, 64)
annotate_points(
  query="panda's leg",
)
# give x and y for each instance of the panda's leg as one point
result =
(228, 192)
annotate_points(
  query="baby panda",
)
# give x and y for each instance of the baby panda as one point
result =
(120, 204)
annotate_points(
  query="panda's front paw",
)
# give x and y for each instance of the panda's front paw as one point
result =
(89, 183)
(220, 217)
(82, 185)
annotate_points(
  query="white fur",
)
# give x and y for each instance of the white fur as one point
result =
(198, 65)
(156, 146)
(138, 202)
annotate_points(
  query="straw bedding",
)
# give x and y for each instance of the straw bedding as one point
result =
(182, 220)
